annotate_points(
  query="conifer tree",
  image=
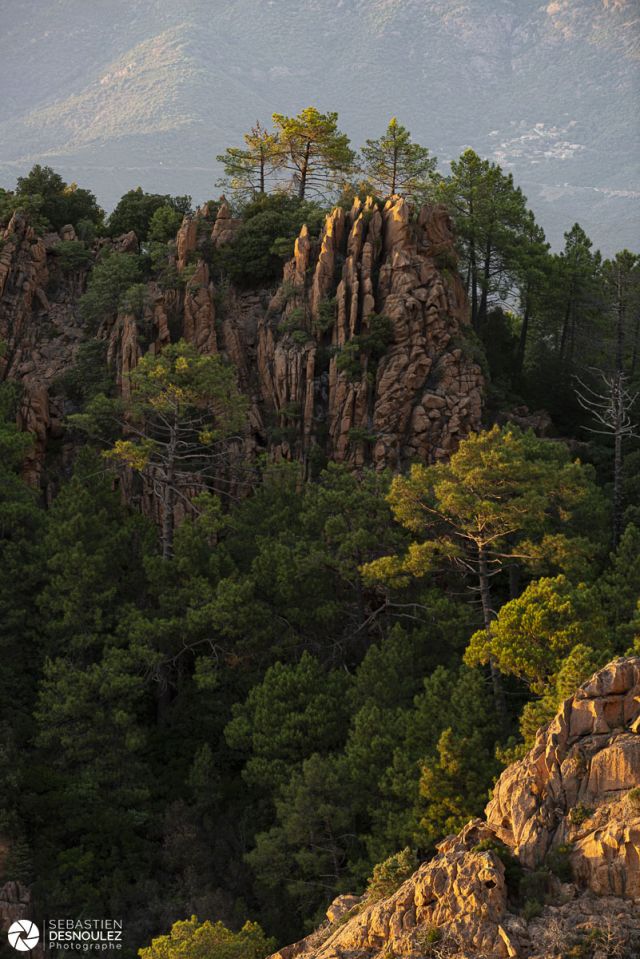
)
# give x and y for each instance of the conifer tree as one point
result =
(248, 169)
(395, 164)
(314, 152)
(500, 490)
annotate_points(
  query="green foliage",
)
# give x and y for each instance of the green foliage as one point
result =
(256, 716)
(20, 530)
(296, 711)
(558, 861)
(250, 169)
(394, 164)
(269, 227)
(108, 283)
(164, 224)
(633, 797)
(190, 939)
(531, 909)
(389, 875)
(314, 152)
(136, 211)
(453, 784)
(72, 255)
(326, 317)
(370, 346)
(428, 938)
(579, 814)
(522, 487)
(57, 202)
(533, 634)
(577, 666)
(490, 216)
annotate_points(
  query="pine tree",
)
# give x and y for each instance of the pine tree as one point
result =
(248, 170)
(490, 215)
(395, 164)
(499, 490)
(315, 153)
(182, 410)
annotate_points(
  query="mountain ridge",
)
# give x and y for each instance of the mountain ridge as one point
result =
(146, 92)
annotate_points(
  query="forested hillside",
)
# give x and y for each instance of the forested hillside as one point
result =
(315, 503)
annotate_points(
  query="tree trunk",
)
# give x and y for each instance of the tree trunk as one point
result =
(163, 697)
(474, 285)
(522, 341)
(488, 616)
(565, 326)
(168, 497)
(618, 400)
(484, 299)
(636, 345)
(617, 490)
(304, 171)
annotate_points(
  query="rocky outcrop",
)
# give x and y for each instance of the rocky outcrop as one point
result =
(570, 798)
(40, 331)
(587, 759)
(364, 343)
(360, 354)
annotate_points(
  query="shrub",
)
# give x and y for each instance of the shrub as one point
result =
(326, 317)
(633, 797)
(191, 939)
(390, 874)
(109, 281)
(427, 938)
(72, 255)
(558, 861)
(536, 885)
(300, 337)
(579, 814)
(373, 344)
(89, 374)
(531, 909)
(270, 225)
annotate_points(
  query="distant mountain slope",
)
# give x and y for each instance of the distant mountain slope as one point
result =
(115, 93)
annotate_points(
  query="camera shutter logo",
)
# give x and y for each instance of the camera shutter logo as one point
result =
(24, 935)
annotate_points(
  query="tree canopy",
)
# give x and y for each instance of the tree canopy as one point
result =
(395, 164)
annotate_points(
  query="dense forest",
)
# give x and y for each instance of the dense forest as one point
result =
(253, 701)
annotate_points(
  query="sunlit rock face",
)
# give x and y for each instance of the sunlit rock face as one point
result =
(586, 760)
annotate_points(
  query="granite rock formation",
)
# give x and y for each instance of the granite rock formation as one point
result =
(572, 795)
(360, 354)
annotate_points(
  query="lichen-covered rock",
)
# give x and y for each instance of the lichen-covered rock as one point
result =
(459, 903)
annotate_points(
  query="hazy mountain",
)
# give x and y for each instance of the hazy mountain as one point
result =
(116, 93)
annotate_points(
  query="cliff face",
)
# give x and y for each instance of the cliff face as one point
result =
(39, 329)
(424, 392)
(569, 801)
(360, 353)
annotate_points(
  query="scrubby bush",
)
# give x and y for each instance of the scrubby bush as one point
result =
(390, 874)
